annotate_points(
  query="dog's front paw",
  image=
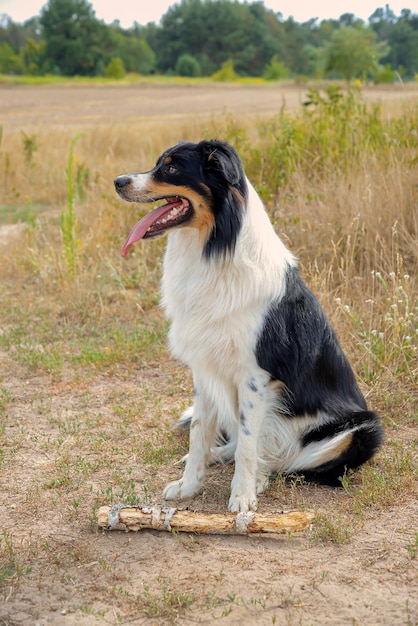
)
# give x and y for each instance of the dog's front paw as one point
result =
(242, 503)
(178, 490)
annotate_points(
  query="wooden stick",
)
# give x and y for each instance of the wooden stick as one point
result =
(123, 517)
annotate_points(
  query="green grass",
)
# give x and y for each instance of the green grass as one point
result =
(27, 213)
(127, 80)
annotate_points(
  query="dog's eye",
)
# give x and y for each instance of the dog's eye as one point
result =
(172, 169)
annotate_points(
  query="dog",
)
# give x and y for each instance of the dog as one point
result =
(273, 390)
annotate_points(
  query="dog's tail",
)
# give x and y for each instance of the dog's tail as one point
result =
(185, 418)
(328, 458)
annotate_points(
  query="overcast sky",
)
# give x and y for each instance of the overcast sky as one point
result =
(144, 11)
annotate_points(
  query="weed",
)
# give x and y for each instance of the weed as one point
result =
(389, 337)
(82, 178)
(69, 223)
(158, 455)
(6, 398)
(332, 527)
(9, 563)
(30, 146)
(316, 584)
(167, 602)
(412, 546)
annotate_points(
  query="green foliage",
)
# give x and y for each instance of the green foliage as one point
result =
(385, 74)
(69, 224)
(136, 54)
(214, 31)
(7, 58)
(336, 126)
(353, 52)
(115, 68)
(142, 59)
(69, 40)
(315, 61)
(31, 58)
(226, 73)
(30, 146)
(275, 70)
(76, 41)
(402, 40)
(342, 129)
(187, 66)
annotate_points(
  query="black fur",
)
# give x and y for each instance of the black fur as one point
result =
(214, 170)
(298, 347)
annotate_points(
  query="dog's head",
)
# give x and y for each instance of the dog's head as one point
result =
(203, 186)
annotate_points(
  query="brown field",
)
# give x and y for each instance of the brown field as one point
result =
(89, 394)
(82, 106)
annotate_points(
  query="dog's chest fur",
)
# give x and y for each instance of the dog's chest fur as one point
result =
(213, 323)
(216, 306)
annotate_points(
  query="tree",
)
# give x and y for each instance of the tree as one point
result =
(295, 56)
(135, 52)
(349, 19)
(213, 31)
(31, 57)
(187, 66)
(275, 70)
(353, 51)
(7, 58)
(115, 68)
(76, 42)
(403, 44)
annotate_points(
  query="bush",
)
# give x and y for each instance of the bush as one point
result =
(187, 66)
(115, 68)
(275, 70)
(7, 58)
(226, 73)
(385, 75)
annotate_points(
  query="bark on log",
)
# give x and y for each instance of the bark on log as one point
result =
(123, 517)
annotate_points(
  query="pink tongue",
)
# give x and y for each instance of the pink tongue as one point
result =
(144, 224)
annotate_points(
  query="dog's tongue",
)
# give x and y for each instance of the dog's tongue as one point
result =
(142, 227)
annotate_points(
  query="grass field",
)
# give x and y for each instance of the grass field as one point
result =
(89, 393)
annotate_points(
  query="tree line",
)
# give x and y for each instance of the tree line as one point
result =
(219, 38)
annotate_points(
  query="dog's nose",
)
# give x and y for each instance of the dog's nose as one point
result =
(121, 182)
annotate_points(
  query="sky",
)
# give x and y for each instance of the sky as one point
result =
(144, 11)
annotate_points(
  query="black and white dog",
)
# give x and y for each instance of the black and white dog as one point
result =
(273, 389)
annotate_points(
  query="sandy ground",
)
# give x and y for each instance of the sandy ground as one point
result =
(81, 575)
(68, 572)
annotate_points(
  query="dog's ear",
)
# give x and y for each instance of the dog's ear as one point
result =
(223, 158)
(225, 177)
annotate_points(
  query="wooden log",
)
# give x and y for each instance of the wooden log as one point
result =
(124, 517)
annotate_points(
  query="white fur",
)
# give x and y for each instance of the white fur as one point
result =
(216, 310)
(139, 181)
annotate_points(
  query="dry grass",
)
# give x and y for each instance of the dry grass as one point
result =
(89, 394)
